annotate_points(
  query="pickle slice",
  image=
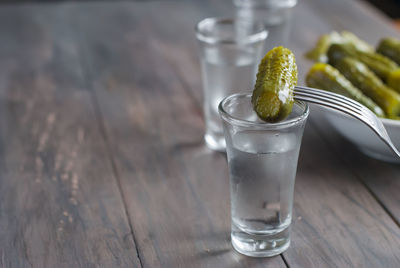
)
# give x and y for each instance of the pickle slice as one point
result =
(272, 97)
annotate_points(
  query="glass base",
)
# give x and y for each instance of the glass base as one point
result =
(260, 245)
(215, 142)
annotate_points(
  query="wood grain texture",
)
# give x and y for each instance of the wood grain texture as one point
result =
(336, 218)
(60, 205)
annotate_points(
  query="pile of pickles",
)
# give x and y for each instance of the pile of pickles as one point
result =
(349, 66)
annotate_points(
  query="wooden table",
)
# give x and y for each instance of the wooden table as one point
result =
(102, 159)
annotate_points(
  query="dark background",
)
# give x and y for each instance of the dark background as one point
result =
(390, 7)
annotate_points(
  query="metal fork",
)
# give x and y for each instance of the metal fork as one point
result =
(347, 106)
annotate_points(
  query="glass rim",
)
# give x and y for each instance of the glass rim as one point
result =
(260, 34)
(261, 125)
(254, 4)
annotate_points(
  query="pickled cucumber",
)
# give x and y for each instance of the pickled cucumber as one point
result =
(390, 47)
(272, 97)
(326, 77)
(364, 79)
(393, 80)
(318, 53)
(351, 38)
(379, 64)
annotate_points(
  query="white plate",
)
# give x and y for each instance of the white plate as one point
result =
(363, 137)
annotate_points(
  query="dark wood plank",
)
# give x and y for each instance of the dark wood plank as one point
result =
(60, 205)
(175, 188)
(146, 79)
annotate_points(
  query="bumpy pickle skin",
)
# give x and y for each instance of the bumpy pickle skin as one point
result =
(272, 97)
(326, 77)
(364, 79)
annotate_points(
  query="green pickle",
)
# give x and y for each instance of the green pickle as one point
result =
(272, 97)
(393, 81)
(364, 79)
(326, 77)
(318, 53)
(390, 47)
(356, 42)
(379, 64)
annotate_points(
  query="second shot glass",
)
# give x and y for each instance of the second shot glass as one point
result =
(275, 14)
(230, 50)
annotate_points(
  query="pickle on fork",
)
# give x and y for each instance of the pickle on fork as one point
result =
(272, 97)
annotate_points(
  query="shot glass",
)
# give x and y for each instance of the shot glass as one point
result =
(262, 160)
(275, 14)
(230, 51)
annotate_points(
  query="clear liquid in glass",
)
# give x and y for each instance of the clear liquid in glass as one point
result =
(262, 171)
